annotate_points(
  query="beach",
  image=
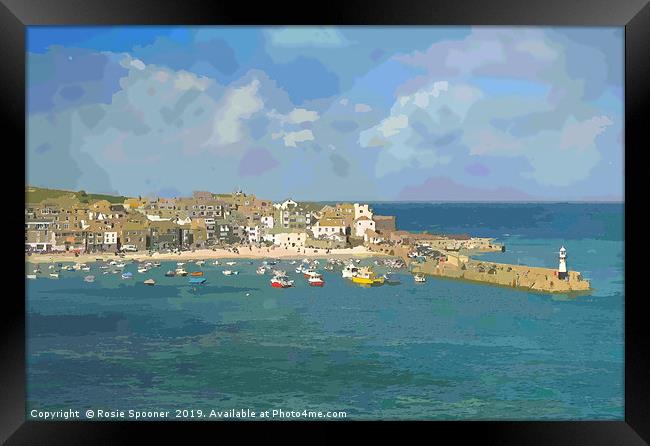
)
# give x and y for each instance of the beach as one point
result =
(205, 254)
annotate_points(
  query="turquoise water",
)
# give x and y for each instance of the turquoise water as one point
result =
(440, 350)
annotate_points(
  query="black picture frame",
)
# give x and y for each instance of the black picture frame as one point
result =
(634, 15)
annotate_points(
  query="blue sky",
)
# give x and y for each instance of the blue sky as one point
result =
(329, 113)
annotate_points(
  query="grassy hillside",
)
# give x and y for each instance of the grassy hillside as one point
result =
(38, 194)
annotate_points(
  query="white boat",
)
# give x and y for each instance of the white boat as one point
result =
(127, 275)
(200, 262)
(281, 282)
(216, 263)
(231, 263)
(316, 280)
(54, 275)
(31, 276)
(120, 265)
(89, 279)
(157, 264)
(143, 270)
(419, 278)
(181, 272)
(349, 271)
(180, 263)
(228, 272)
(112, 262)
(85, 268)
(50, 267)
(149, 282)
(261, 270)
(299, 270)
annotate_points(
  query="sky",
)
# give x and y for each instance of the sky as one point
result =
(329, 113)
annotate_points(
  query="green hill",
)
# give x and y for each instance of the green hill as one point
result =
(38, 194)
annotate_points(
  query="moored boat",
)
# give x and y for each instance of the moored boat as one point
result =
(181, 272)
(143, 270)
(170, 273)
(261, 270)
(196, 273)
(89, 279)
(349, 271)
(197, 280)
(54, 275)
(127, 275)
(316, 280)
(366, 276)
(149, 282)
(419, 278)
(281, 282)
(228, 272)
(390, 279)
(31, 276)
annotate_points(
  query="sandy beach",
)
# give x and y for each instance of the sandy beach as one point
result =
(206, 254)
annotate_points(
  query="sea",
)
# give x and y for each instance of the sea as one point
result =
(442, 350)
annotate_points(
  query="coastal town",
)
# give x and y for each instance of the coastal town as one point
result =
(77, 226)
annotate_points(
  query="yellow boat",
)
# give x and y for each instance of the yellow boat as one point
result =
(366, 276)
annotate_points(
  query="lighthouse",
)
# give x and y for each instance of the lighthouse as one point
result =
(561, 270)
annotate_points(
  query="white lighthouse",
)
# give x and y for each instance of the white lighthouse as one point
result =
(561, 270)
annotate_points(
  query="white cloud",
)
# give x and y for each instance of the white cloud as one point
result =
(137, 63)
(392, 125)
(300, 115)
(291, 138)
(362, 108)
(186, 81)
(582, 134)
(344, 102)
(237, 105)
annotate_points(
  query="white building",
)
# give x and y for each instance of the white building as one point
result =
(330, 228)
(267, 221)
(110, 238)
(252, 234)
(287, 239)
(362, 210)
(362, 224)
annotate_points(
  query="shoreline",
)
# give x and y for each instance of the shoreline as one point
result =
(358, 252)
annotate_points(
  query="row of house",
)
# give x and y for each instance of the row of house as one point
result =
(200, 221)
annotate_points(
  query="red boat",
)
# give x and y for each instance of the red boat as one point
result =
(316, 280)
(309, 273)
(281, 282)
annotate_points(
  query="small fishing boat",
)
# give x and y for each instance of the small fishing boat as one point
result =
(85, 268)
(112, 263)
(419, 278)
(197, 280)
(181, 272)
(37, 270)
(349, 271)
(200, 262)
(156, 264)
(293, 262)
(279, 272)
(228, 272)
(120, 265)
(89, 279)
(143, 270)
(316, 280)
(170, 273)
(54, 275)
(103, 267)
(299, 270)
(31, 276)
(180, 263)
(366, 276)
(328, 267)
(281, 282)
(50, 267)
(308, 273)
(261, 270)
(149, 282)
(196, 273)
(231, 263)
(216, 263)
(127, 275)
(390, 279)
